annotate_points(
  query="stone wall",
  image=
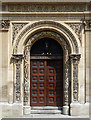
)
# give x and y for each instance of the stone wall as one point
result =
(17, 20)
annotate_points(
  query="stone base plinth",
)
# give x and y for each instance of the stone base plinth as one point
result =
(11, 110)
(77, 109)
(26, 110)
(66, 110)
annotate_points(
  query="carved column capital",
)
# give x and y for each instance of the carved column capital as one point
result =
(5, 24)
(75, 58)
(17, 57)
(87, 23)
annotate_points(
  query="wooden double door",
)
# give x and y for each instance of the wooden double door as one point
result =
(46, 82)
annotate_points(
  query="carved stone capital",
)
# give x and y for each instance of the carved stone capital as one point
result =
(17, 57)
(75, 58)
(5, 24)
(87, 23)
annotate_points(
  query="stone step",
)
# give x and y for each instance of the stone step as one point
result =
(46, 108)
(45, 111)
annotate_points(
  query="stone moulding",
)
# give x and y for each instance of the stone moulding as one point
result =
(28, 45)
(47, 23)
(45, 7)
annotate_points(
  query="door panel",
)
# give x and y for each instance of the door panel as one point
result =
(46, 83)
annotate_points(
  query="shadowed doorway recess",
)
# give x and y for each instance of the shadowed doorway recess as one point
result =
(46, 73)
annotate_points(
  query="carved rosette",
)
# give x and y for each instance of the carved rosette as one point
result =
(27, 75)
(4, 24)
(17, 60)
(75, 61)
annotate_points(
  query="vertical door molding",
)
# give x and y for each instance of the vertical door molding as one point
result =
(27, 76)
(66, 79)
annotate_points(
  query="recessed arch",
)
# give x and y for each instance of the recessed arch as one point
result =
(70, 45)
(61, 29)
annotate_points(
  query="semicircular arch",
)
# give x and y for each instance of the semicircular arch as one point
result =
(52, 26)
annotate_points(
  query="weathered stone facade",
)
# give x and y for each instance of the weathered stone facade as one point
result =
(22, 25)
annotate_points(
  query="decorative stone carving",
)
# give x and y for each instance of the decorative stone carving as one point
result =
(5, 24)
(16, 28)
(26, 75)
(31, 41)
(75, 60)
(87, 23)
(18, 87)
(46, 7)
(51, 23)
(77, 29)
(17, 62)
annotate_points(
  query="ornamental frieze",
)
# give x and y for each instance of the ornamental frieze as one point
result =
(44, 7)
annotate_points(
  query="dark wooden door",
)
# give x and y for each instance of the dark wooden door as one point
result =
(46, 83)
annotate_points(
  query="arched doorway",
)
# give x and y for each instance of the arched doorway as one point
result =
(46, 73)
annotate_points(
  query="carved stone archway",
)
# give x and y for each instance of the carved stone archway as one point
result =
(71, 60)
(67, 68)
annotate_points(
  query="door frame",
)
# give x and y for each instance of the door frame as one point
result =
(46, 58)
(70, 66)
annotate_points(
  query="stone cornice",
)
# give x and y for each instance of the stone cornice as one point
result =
(11, 1)
(44, 13)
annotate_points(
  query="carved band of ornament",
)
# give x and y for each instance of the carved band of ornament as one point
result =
(42, 23)
(18, 91)
(5, 24)
(44, 8)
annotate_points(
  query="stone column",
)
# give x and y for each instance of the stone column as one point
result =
(27, 80)
(66, 84)
(17, 61)
(74, 83)
(74, 64)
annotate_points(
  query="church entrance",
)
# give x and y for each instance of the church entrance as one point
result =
(46, 73)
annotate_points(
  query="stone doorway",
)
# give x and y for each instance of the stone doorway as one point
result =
(46, 73)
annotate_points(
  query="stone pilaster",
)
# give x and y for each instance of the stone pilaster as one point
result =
(74, 63)
(26, 108)
(17, 61)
